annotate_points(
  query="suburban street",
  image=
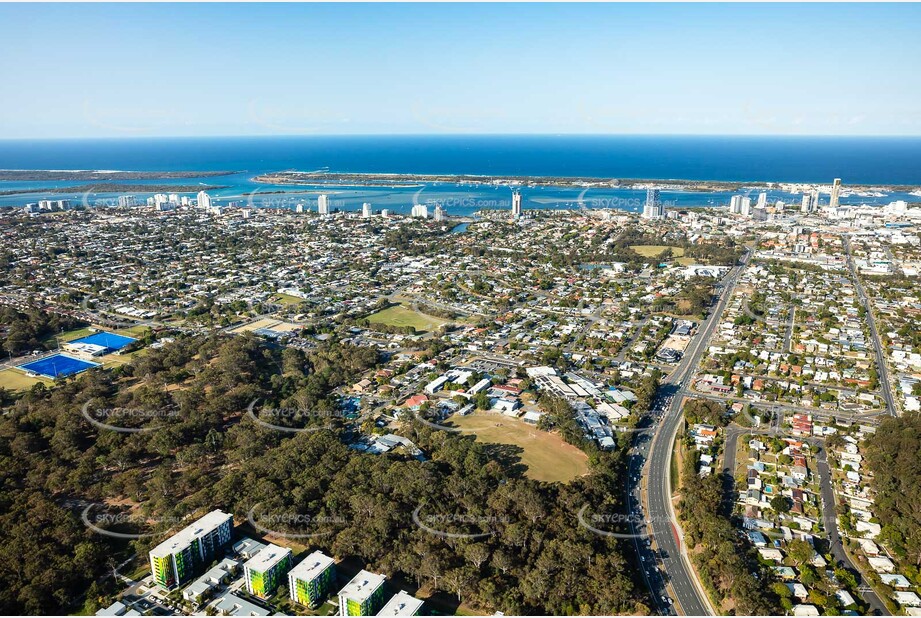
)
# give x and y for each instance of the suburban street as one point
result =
(829, 517)
(831, 527)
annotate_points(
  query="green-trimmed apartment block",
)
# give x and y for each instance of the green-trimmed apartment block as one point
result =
(402, 604)
(310, 581)
(266, 570)
(362, 596)
(182, 556)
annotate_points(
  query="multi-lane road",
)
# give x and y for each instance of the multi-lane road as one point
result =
(650, 477)
(874, 335)
(657, 535)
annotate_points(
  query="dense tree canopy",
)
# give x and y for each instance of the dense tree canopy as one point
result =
(23, 332)
(207, 452)
(894, 457)
(724, 562)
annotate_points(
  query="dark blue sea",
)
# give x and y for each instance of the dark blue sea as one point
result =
(736, 159)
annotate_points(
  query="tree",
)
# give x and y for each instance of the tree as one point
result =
(211, 454)
(781, 504)
(477, 554)
(892, 458)
(800, 551)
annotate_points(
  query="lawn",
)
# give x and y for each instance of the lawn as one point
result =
(133, 331)
(546, 456)
(69, 335)
(268, 323)
(111, 360)
(16, 380)
(656, 250)
(399, 315)
(287, 299)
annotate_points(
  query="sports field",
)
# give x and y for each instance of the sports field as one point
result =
(132, 331)
(15, 380)
(108, 340)
(287, 299)
(399, 315)
(57, 366)
(546, 455)
(268, 324)
(656, 250)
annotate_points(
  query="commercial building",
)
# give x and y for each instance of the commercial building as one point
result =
(177, 559)
(265, 570)
(203, 587)
(204, 200)
(310, 581)
(835, 193)
(653, 208)
(806, 205)
(746, 207)
(362, 596)
(516, 205)
(735, 204)
(229, 604)
(117, 609)
(323, 205)
(54, 205)
(762, 200)
(436, 385)
(401, 604)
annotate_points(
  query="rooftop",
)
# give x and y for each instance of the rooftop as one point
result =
(267, 558)
(311, 566)
(196, 529)
(362, 585)
(401, 604)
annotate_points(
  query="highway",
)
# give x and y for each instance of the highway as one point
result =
(874, 334)
(655, 484)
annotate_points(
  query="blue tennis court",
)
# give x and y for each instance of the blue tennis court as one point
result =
(58, 366)
(107, 340)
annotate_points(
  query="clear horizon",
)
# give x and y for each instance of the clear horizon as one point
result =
(460, 135)
(240, 70)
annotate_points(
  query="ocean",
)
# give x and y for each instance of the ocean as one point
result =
(856, 160)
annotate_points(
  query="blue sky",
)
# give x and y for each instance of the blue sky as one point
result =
(107, 70)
